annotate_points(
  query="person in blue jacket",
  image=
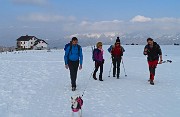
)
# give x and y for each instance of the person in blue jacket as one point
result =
(73, 59)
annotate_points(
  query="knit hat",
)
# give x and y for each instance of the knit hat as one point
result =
(98, 44)
(117, 40)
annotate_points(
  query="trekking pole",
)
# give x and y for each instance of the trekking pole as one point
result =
(110, 70)
(88, 82)
(89, 76)
(124, 68)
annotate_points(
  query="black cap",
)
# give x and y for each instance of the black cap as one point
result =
(74, 39)
(149, 39)
(117, 40)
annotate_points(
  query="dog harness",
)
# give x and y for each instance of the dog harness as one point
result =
(79, 105)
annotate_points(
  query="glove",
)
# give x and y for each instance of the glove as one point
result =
(66, 66)
(112, 58)
(145, 51)
(122, 54)
(103, 61)
(80, 67)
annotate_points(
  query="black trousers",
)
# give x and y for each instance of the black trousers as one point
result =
(97, 65)
(116, 65)
(73, 67)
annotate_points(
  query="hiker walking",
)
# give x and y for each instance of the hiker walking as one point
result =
(73, 59)
(116, 51)
(153, 52)
(99, 61)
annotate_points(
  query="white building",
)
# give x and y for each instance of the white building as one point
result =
(30, 42)
(40, 44)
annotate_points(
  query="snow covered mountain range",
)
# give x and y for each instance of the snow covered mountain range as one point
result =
(126, 38)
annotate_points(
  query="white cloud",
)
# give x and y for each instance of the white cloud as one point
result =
(101, 25)
(95, 35)
(45, 18)
(140, 18)
(107, 23)
(34, 2)
(140, 24)
(73, 26)
(101, 22)
(167, 20)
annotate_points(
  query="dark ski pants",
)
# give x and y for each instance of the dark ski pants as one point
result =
(116, 64)
(97, 65)
(73, 67)
(152, 67)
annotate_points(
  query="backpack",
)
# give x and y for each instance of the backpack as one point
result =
(69, 44)
(95, 50)
(110, 48)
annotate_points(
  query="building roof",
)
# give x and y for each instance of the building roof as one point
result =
(38, 40)
(25, 38)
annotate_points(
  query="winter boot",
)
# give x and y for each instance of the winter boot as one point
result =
(100, 78)
(73, 88)
(151, 82)
(94, 76)
(117, 76)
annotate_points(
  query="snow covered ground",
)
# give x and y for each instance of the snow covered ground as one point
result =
(36, 84)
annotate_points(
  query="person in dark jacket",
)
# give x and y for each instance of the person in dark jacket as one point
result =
(116, 51)
(153, 52)
(99, 60)
(73, 59)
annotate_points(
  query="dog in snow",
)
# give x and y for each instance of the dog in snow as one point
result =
(76, 106)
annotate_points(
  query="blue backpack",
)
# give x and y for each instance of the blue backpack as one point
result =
(69, 44)
(110, 48)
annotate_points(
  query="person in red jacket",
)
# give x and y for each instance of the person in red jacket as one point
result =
(116, 51)
(153, 52)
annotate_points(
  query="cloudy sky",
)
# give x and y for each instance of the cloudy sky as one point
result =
(54, 19)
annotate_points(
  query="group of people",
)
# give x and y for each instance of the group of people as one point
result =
(74, 58)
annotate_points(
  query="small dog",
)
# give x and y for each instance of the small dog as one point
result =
(77, 103)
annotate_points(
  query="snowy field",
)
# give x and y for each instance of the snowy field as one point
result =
(36, 84)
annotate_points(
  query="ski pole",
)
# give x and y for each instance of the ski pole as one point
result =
(110, 70)
(124, 68)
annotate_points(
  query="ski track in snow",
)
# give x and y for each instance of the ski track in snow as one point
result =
(36, 84)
